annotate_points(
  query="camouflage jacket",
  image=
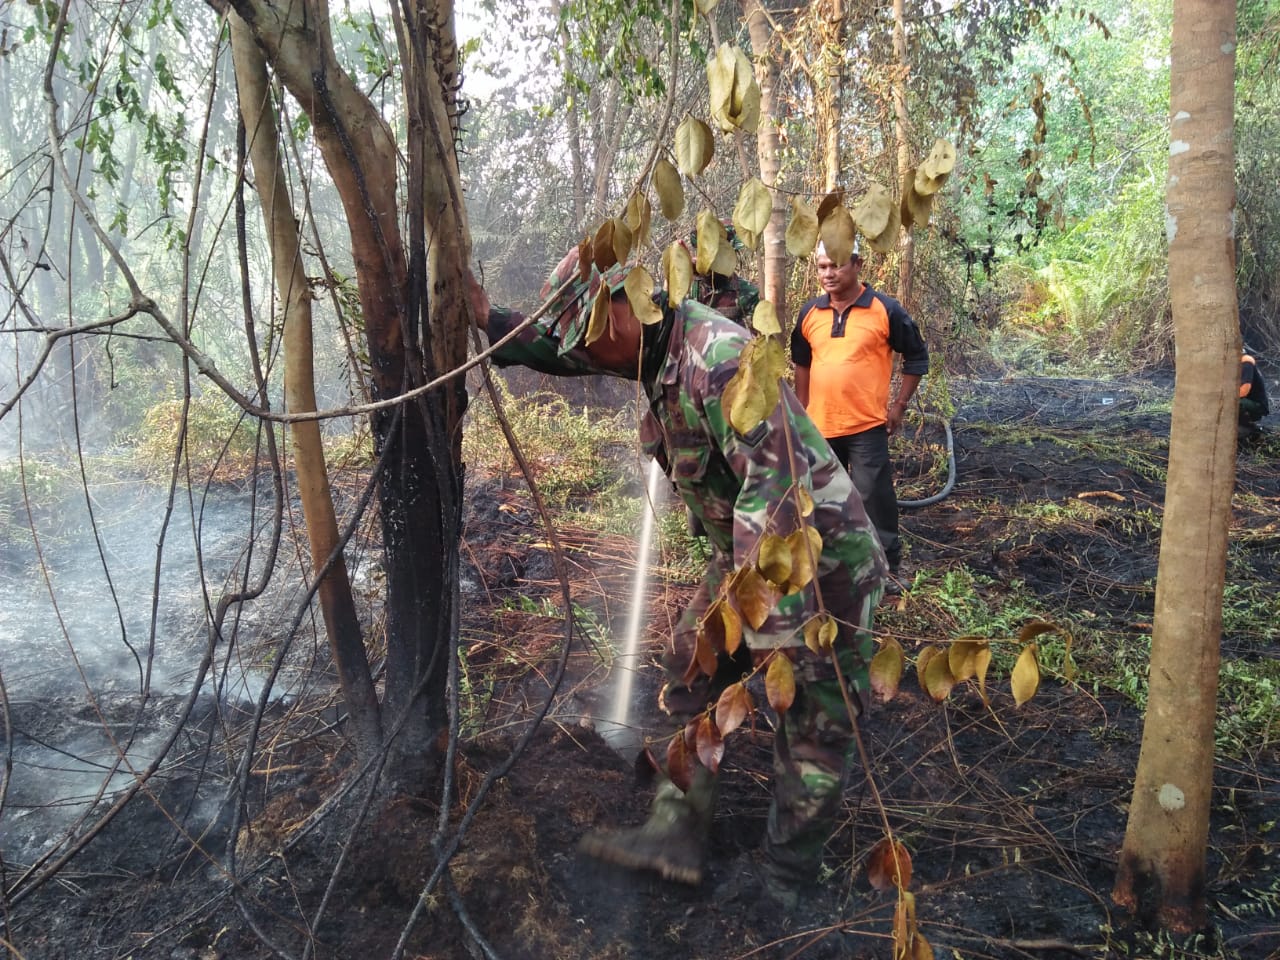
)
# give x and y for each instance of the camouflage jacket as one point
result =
(733, 296)
(738, 486)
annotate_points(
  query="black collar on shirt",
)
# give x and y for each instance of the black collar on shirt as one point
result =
(839, 318)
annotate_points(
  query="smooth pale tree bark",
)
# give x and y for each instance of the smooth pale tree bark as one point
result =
(1162, 863)
(337, 605)
(902, 133)
(413, 311)
(827, 79)
(774, 271)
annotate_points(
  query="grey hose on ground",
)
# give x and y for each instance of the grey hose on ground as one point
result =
(951, 467)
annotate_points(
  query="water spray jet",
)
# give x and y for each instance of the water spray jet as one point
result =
(615, 727)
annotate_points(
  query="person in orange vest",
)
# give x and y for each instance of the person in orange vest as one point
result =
(1253, 398)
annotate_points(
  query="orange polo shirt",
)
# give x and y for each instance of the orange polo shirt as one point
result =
(850, 359)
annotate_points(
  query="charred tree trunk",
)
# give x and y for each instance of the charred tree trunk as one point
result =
(413, 324)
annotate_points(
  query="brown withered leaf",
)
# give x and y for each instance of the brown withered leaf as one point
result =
(710, 744)
(774, 561)
(981, 663)
(780, 684)
(585, 256)
(733, 707)
(603, 251)
(829, 203)
(1025, 679)
(623, 240)
(669, 188)
(905, 213)
(705, 649)
(720, 67)
(889, 865)
(712, 624)
(754, 595)
(680, 761)
(745, 106)
(806, 506)
(732, 628)
(820, 633)
(886, 669)
(887, 239)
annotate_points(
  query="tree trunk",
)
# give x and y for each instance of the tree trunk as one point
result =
(827, 78)
(336, 603)
(902, 133)
(410, 336)
(774, 272)
(424, 584)
(1162, 863)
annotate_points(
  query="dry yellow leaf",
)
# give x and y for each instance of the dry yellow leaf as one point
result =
(639, 288)
(752, 211)
(802, 231)
(937, 679)
(677, 268)
(1025, 679)
(873, 210)
(780, 684)
(669, 188)
(774, 561)
(886, 669)
(599, 321)
(838, 232)
(638, 215)
(709, 232)
(694, 146)
(888, 237)
(764, 319)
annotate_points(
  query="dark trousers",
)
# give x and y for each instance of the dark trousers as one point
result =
(866, 457)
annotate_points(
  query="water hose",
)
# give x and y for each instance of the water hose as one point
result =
(951, 467)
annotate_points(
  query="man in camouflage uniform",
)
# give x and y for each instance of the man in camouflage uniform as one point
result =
(739, 487)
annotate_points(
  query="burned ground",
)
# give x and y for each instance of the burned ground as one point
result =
(1013, 815)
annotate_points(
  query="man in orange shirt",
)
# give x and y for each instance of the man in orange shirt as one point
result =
(842, 347)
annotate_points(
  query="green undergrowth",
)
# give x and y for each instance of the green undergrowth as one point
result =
(1147, 458)
(966, 603)
(573, 453)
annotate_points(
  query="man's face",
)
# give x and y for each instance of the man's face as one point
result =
(839, 281)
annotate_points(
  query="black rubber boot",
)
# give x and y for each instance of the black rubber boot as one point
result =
(672, 842)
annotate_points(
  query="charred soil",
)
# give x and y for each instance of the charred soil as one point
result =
(1013, 816)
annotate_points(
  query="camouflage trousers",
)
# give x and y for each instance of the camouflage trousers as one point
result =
(813, 743)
